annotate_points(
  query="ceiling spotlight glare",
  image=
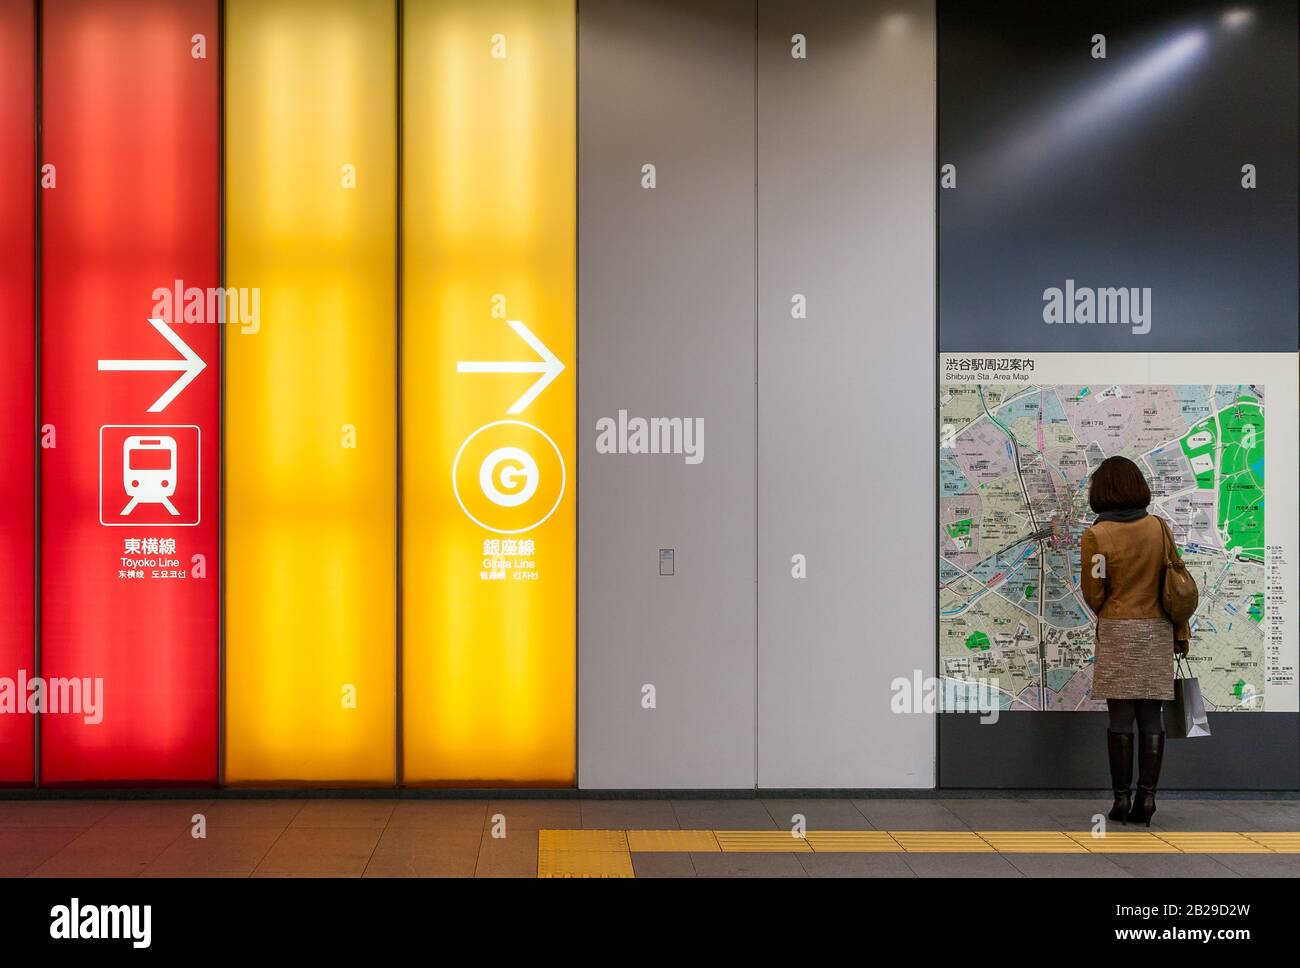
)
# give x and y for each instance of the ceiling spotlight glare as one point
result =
(1125, 97)
(1237, 17)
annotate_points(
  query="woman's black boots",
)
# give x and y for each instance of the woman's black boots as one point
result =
(1151, 750)
(1120, 748)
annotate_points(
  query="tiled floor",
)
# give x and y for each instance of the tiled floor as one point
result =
(465, 838)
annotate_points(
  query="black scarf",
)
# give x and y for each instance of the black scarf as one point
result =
(1125, 516)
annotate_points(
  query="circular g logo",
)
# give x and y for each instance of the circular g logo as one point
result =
(517, 473)
(508, 477)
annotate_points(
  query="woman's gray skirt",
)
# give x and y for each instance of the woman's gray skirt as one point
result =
(1134, 659)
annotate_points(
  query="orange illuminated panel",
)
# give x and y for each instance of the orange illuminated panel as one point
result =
(488, 391)
(311, 162)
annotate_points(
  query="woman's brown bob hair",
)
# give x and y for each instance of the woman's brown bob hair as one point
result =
(1118, 485)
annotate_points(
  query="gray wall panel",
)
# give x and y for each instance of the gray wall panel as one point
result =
(666, 328)
(846, 169)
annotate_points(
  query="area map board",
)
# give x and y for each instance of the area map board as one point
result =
(1019, 435)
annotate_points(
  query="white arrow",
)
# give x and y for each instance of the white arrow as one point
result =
(549, 366)
(190, 366)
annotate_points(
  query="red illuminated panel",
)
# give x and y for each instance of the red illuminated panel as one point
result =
(17, 383)
(129, 493)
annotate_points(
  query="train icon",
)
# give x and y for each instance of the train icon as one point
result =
(150, 475)
(149, 472)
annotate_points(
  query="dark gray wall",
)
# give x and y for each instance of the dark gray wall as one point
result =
(666, 328)
(1063, 751)
(1119, 172)
(845, 397)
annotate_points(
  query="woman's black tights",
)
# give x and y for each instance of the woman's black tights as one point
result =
(1145, 711)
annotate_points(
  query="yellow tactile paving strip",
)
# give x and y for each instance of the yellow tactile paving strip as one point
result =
(852, 842)
(583, 853)
(584, 863)
(608, 853)
(1214, 843)
(1279, 843)
(672, 841)
(761, 841)
(597, 840)
(1032, 842)
(941, 841)
(1125, 842)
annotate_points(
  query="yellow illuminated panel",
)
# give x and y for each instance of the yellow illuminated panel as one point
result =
(310, 431)
(489, 318)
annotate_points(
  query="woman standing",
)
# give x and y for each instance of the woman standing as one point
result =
(1122, 559)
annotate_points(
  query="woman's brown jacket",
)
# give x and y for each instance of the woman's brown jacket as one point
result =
(1125, 581)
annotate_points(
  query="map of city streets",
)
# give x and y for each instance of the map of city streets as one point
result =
(1013, 466)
